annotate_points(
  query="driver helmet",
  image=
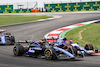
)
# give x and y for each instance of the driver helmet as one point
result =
(68, 43)
(42, 41)
(64, 39)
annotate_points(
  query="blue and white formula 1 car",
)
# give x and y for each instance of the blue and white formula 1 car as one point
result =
(46, 50)
(6, 38)
(88, 49)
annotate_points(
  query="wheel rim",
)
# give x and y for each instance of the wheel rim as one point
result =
(15, 50)
(47, 54)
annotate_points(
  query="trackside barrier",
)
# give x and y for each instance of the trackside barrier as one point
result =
(16, 11)
(5, 8)
(67, 7)
(9, 9)
(35, 10)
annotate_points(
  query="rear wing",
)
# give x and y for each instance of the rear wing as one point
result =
(30, 41)
(25, 41)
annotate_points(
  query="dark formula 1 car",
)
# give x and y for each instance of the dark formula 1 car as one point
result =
(46, 50)
(88, 49)
(6, 38)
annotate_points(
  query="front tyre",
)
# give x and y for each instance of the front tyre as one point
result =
(75, 51)
(96, 50)
(49, 54)
(12, 39)
(18, 50)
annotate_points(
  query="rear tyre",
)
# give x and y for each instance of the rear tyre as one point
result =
(89, 47)
(12, 39)
(18, 50)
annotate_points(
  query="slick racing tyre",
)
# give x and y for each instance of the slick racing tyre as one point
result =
(72, 50)
(96, 50)
(18, 50)
(89, 47)
(49, 54)
(12, 39)
(75, 51)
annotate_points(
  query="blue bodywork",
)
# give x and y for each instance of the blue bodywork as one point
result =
(61, 42)
(81, 48)
(3, 39)
(34, 45)
(31, 50)
(38, 47)
(64, 51)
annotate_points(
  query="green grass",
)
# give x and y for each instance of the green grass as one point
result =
(13, 19)
(86, 34)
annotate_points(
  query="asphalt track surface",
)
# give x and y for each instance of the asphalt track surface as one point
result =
(36, 31)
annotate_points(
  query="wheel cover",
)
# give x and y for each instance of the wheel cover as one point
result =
(48, 54)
